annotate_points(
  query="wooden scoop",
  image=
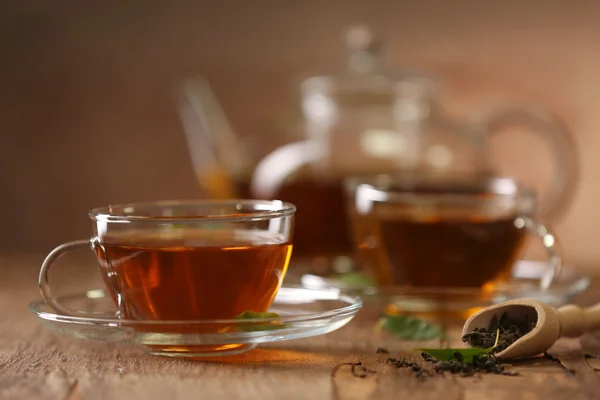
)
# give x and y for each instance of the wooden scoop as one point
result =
(550, 324)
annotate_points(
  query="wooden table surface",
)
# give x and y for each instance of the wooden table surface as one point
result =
(37, 363)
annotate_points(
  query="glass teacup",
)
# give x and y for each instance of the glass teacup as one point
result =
(186, 260)
(446, 233)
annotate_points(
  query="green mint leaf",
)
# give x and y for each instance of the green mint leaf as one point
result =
(256, 315)
(406, 327)
(464, 355)
(263, 326)
(355, 279)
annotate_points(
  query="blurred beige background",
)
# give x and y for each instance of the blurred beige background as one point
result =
(87, 118)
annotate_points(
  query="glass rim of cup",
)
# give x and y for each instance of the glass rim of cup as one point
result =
(391, 188)
(126, 212)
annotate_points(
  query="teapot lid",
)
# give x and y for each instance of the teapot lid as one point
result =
(364, 74)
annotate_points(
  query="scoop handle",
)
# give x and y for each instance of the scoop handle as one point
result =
(575, 321)
(593, 316)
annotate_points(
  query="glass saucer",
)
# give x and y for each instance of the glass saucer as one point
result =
(304, 313)
(525, 282)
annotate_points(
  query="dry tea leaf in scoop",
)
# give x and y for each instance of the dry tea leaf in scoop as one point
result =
(540, 326)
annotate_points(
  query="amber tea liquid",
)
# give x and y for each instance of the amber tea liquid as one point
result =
(187, 274)
(444, 248)
(321, 226)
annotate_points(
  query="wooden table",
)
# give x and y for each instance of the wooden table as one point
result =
(36, 363)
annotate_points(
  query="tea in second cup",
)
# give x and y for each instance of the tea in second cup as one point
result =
(443, 233)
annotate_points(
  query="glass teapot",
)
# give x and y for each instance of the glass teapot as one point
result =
(366, 121)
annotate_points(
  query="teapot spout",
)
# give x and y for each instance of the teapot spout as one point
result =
(213, 146)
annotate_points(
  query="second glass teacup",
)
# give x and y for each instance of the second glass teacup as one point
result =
(444, 234)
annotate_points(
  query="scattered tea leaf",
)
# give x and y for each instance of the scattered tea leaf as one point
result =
(267, 326)
(464, 355)
(409, 328)
(355, 279)
(432, 367)
(467, 354)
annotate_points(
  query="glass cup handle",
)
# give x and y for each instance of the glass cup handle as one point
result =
(560, 141)
(549, 242)
(50, 259)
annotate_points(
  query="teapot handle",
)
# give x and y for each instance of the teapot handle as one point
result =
(275, 168)
(561, 144)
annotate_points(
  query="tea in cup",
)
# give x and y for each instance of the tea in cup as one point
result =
(187, 260)
(443, 233)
